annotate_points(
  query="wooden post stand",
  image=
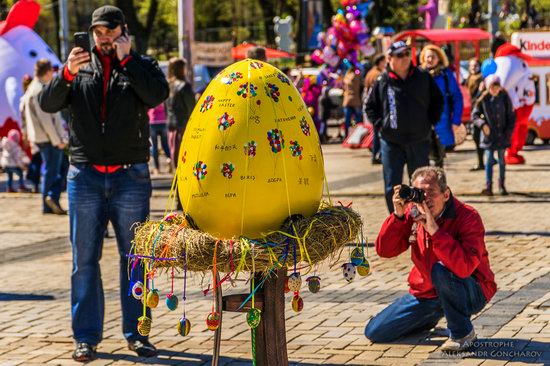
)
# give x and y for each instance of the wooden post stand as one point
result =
(271, 333)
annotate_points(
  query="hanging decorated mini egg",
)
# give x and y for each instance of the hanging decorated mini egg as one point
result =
(213, 321)
(170, 216)
(295, 282)
(184, 327)
(287, 290)
(364, 268)
(357, 256)
(253, 317)
(153, 298)
(171, 302)
(297, 303)
(314, 284)
(144, 325)
(348, 270)
(137, 290)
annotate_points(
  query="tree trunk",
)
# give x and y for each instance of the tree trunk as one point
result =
(328, 12)
(140, 32)
(55, 11)
(474, 14)
(268, 9)
(3, 9)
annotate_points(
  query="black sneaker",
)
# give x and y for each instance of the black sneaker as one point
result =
(84, 352)
(143, 348)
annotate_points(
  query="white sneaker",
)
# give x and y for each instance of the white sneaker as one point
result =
(459, 345)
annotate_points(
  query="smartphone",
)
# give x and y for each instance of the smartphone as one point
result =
(82, 40)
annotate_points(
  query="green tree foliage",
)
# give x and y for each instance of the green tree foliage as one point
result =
(153, 23)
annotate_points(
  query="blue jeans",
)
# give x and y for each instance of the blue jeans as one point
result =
(159, 131)
(394, 158)
(51, 173)
(375, 144)
(33, 174)
(352, 112)
(94, 199)
(457, 300)
(10, 171)
(490, 161)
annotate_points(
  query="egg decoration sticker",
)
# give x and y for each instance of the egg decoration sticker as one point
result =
(225, 121)
(250, 125)
(199, 170)
(207, 104)
(232, 78)
(296, 149)
(250, 149)
(276, 140)
(304, 126)
(227, 170)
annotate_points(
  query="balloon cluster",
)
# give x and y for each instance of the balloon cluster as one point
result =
(276, 140)
(225, 121)
(250, 148)
(227, 170)
(347, 38)
(199, 170)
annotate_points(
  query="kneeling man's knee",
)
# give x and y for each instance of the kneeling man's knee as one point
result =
(374, 332)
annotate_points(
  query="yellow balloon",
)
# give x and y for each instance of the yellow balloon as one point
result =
(250, 156)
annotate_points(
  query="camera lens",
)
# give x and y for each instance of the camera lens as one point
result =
(405, 192)
(411, 194)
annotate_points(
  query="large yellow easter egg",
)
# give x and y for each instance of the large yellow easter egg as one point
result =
(250, 156)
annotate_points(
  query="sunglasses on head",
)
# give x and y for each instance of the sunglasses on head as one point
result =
(403, 54)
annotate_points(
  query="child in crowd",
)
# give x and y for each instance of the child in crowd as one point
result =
(494, 115)
(13, 159)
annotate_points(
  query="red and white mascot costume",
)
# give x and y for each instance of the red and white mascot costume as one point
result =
(20, 48)
(517, 79)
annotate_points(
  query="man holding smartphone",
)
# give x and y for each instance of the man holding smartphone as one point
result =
(451, 276)
(108, 90)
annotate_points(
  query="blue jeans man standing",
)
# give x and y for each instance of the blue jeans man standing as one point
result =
(394, 158)
(108, 91)
(95, 198)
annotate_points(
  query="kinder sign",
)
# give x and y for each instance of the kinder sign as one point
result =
(536, 44)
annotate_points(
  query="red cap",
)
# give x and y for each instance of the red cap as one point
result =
(508, 49)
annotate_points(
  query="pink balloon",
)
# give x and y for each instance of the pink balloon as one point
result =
(355, 26)
(333, 60)
(317, 57)
(350, 17)
(327, 52)
(321, 36)
(367, 50)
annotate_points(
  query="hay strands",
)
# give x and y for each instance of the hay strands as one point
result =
(318, 237)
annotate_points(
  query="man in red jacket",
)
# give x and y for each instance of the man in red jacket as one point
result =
(451, 276)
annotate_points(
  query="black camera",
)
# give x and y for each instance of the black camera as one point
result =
(411, 194)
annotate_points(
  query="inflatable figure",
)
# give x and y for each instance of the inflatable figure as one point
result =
(516, 78)
(283, 29)
(431, 12)
(20, 48)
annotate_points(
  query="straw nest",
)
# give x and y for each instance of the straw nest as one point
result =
(313, 239)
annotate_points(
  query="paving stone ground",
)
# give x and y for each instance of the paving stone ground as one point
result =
(514, 328)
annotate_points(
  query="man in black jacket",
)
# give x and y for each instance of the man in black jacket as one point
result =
(108, 92)
(404, 104)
